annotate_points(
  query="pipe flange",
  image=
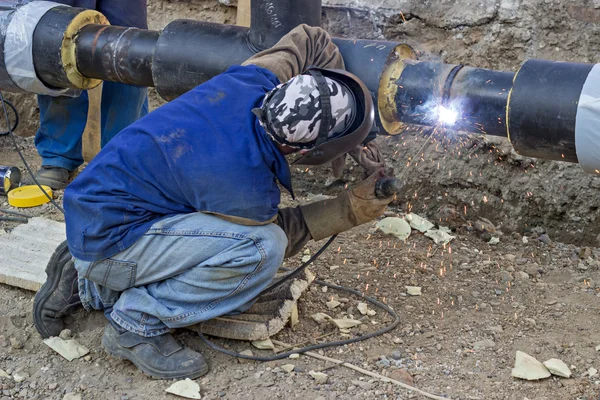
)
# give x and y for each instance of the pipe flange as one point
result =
(68, 49)
(388, 87)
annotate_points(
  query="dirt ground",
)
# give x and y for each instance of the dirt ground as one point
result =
(537, 290)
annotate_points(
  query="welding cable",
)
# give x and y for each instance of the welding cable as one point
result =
(16, 123)
(280, 356)
(14, 140)
(297, 271)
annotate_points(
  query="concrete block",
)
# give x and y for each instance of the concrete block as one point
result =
(25, 252)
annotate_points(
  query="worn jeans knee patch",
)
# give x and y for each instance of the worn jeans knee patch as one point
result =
(113, 274)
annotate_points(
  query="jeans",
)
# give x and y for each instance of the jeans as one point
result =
(186, 269)
(63, 119)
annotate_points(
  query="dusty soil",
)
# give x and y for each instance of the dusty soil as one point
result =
(480, 302)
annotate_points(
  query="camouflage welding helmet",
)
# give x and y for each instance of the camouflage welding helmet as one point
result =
(328, 112)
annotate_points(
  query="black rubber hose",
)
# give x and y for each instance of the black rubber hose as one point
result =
(280, 356)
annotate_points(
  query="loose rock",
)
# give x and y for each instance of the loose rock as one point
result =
(69, 349)
(288, 367)
(413, 290)
(394, 226)
(65, 334)
(522, 276)
(558, 367)
(16, 343)
(319, 377)
(266, 344)
(363, 308)
(419, 223)
(247, 353)
(186, 388)
(484, 344)
(333, 304)
(528, 368)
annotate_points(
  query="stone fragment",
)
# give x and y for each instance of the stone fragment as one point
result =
(319, 377)
(401, 375)
(484, 344)
(363, 308)
(598, 348)
(65, 334)
(3, 374)
(305, 258)
(494, 240)
(419, 223)
(294, 356)
(266, 344)
(332, 304)
(16, 343)
(413, 290)
(545, 239)
(320, 317)
(363, 385)
(247, 353)
(558, 367)
(288, 367)
(19, 377)
(394, 226)
(186, 388)
(439, 237)
(522, 276)
(69, 349)
(528, 368)
(592, 372)
(345, 323)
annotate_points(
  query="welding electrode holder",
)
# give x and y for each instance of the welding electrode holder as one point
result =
(386, 187)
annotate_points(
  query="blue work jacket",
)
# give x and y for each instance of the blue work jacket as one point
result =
(204, 151)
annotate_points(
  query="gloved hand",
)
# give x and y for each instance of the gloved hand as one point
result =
(351, 208)
(367, 156)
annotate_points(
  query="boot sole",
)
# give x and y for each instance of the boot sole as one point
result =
(123, 354)
(52, 281)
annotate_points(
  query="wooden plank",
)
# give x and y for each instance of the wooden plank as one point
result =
(92, 134)
(243, 13)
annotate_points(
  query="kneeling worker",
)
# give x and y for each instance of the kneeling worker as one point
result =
(176, 221)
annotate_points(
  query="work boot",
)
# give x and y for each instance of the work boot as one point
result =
(59, 295)
(55, 177)
(159, 357)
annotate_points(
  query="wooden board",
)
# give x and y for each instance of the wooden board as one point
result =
(92, 134)
(243, 13)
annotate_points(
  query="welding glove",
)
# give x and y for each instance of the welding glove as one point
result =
(367, 156)
(351, 208)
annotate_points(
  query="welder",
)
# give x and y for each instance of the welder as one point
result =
(176, 221)
(63, 119)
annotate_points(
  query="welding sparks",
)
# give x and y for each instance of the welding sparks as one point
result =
(447, 116)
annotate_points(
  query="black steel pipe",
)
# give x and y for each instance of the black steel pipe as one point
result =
(189, 53)
(543, 108)
(478, 96)
(116, 54)
(272, 19)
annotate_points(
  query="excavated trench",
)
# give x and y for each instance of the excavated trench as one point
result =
(480, 175)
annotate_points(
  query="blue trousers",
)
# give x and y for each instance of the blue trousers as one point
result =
(63, 119)
(186, 269)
